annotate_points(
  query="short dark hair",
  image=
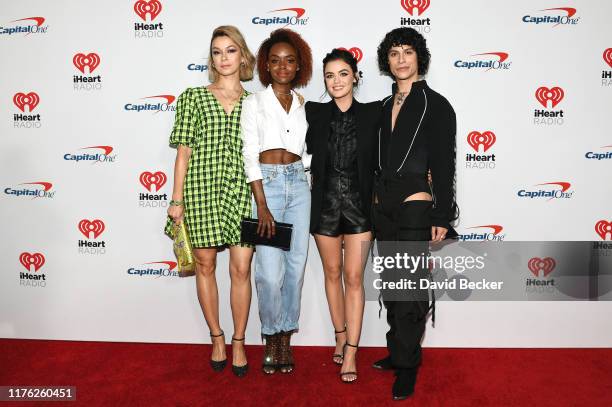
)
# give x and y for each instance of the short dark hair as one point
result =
(338, 54)
(403, 36)
(304, 56)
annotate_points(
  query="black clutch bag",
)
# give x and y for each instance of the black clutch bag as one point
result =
(281, 239)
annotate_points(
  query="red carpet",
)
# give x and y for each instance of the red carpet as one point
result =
(125, 374)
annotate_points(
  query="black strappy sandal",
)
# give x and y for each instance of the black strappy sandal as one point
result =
(338, 355)
(342, 375)
(218, 365)
(239, 371)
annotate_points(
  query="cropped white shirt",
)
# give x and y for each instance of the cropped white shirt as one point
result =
(266, 125)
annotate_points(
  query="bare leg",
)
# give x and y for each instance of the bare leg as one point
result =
(355, 257)
(206, 284)
(240, 298)
(330, 249)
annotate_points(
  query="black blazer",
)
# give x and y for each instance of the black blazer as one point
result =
(319, 117)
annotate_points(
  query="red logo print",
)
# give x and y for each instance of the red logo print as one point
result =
(107, 149)
(95, 226)
(485, 139)
(603, 228)
(299, 11)
(46, 185)
(569, 10)
(169, 98)
(28, 260)
(564, 185)
(411, 5)
(501, 55)
(148, 179)
(555, 95)
(607, 56)
(152, 7)
(546, 265)
(21, 100)
(496, 228)
(91, 61)
(171, 264)
(357, 53)
(39, 20)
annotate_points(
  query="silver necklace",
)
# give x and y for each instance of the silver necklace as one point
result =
(400, 97)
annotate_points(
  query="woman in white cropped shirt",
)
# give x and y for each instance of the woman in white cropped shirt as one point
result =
(274, 129)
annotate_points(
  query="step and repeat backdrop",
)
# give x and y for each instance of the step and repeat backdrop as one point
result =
(88, 97)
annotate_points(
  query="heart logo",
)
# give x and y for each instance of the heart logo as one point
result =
(485, 139)
(21, 100)
(411, 5)
(91, 61)
(95, 226)
(546, 265)
(357, 53)
(35, 260)
(555, 95)
(607, 56)
(152, 7)
(602, 228)
(148, 179)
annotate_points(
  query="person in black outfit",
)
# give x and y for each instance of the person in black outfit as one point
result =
(417, 136)
(342, 140)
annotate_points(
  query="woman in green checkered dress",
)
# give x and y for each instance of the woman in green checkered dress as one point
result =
(210, 189)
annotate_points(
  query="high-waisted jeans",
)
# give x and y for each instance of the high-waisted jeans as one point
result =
(279, 274)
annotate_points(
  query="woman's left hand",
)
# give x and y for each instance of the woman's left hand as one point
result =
(438, 233)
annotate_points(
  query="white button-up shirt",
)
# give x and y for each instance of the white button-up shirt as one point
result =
(266, 126)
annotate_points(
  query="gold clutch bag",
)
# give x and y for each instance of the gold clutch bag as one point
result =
(182, 247)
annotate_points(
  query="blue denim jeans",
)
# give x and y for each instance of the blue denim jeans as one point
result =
(279, 274)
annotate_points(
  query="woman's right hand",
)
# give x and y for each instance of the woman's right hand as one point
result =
(176, 212)
(265, 222)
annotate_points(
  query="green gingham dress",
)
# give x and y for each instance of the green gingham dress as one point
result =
(216, 194)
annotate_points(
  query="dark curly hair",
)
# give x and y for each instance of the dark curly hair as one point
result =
(338, 54)
(304, 56)
(403, 36)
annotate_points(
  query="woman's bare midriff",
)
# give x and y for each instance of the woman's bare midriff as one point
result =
(278, 156)
(419, 196)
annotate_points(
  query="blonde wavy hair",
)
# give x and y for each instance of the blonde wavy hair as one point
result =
(246, 70)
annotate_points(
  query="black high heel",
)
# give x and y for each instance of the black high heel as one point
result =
(239, 371)
(218, 365)
(337, 355)
(342, 375)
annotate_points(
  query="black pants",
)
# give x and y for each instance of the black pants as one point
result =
(406, 230)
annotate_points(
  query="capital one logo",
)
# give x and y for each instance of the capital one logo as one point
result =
(485, 139)
(604, 229)
(607, 56)
(89, 61)
(153, 179)
(34, 260)
(94, 227)
(545, 265)
(151, 7)
(21, 100)
(411, 6)
(356, 52)
(554, 95)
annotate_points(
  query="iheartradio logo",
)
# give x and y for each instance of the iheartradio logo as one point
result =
(607, 56)
(357, 53)
(545, 265)
(89, 61)
(94, 227)
(152, 8)
(35, 260)
(415, 5)
(485, 139)
(31, 100)
(604, 229)
(150, 179)
(554, 95)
